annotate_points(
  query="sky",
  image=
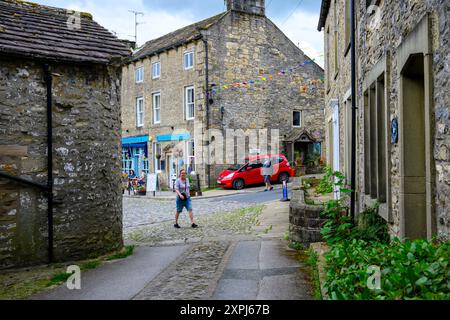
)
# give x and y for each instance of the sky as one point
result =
(298, 19)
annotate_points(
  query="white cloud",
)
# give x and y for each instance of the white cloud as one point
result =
(118, 19)
(301, 28)
(114, 15)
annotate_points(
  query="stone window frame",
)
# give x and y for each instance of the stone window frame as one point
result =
(154, 95)
(418, 42)
(139, 71)
(153, 70)
(301, 118)
(140, 124)
(377, 177)
(346, 103)
(189, 52)
(187, 103)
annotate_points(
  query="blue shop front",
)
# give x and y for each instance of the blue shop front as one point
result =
(135, 155)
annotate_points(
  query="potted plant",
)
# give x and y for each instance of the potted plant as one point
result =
(192, 191)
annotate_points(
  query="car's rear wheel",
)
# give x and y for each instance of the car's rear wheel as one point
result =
(284, 176)
(238, 184)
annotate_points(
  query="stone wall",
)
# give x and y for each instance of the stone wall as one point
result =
(86, 163)
(305, 221)
(379, 36)
(246, 47)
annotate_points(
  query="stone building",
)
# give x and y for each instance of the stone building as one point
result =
(403, 124)
(234, 71)
(61, 66)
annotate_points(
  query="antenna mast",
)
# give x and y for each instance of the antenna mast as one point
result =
(136, 23)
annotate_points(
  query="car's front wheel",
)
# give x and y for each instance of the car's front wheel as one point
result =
(284, 176)
(238, 184)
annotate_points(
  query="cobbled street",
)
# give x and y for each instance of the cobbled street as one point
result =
(228, 228)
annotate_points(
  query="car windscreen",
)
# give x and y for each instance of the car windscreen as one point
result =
(235, 167)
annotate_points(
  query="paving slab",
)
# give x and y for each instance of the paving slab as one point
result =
(119, 280)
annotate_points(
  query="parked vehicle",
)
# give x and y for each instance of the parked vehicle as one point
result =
(240, 176)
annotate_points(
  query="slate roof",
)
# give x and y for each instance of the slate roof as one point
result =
(35, 31)
(176, 38)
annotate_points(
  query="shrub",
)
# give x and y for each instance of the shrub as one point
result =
(411, 270)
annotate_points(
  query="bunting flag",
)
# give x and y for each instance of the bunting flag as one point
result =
(308, 87)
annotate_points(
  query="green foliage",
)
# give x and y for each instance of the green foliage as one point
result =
(296, 245)
(371, 226)
(89, 265)
(411, 270)
(312, 262)
(124, 253)
(339, 225)
(330, 180)
(58, 278)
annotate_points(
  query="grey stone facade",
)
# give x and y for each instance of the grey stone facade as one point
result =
(87, 209)
(243, 45)
(402, 70)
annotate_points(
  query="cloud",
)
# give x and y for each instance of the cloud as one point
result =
(117, 18)
(301, 28)
(161, 17)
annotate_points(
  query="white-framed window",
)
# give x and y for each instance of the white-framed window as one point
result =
(189, 102)
(156, 70)
(140, 112)
(139, 75)
(188, 60)
(297, 119)
(157, 107)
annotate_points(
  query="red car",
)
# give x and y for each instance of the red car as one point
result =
(242, 175)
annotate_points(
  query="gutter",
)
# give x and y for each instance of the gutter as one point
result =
(354, 108)
(208, 165)
(48, 81)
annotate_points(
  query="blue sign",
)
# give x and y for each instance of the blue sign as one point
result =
(173, 137)
(394, 131)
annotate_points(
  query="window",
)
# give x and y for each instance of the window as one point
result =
(190, 103)
(139, 75)
(348, 14)
(336, 40)
(157, 108)
(348, 138)
(127, 164)
(140, 112)
(189, 60)
(376, 141)
(297, 119)
(156, 70)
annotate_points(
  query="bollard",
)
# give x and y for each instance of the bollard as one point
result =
(285, 192)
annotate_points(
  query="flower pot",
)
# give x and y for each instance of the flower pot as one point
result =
(142, 193)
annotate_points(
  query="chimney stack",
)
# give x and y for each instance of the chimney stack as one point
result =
(257, 7)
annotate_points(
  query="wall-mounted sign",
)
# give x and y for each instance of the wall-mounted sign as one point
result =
(394, 130)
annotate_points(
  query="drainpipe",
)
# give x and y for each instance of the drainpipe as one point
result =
(208, 166)
(354, 108)
(48, 82)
